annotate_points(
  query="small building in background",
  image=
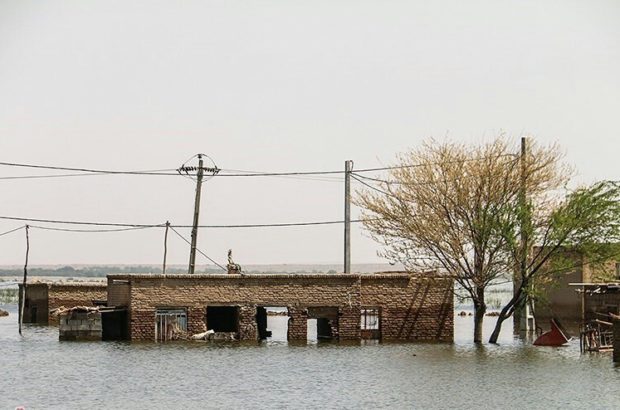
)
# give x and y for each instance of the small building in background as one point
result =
(558, 299)
(43, 297)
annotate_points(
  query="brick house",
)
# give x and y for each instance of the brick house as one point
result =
(387, 306)
(43, 297)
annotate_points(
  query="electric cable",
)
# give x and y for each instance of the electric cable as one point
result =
(373, 188)
(137, 226)
(48, 228)
(12, 230)
(198, 250)
(432, 163)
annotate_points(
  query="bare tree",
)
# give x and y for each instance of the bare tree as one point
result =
(455, 207)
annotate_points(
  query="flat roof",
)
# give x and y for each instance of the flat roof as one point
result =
(320, 276)
(101, 284)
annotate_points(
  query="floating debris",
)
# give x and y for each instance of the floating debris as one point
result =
(83, 309)
(596, 336)
(554, 337)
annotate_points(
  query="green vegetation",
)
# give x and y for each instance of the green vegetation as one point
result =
(8, 296)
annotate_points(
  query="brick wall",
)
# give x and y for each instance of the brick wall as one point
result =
(118, 293)
(70, 295)
(413, 308)
(36, 307)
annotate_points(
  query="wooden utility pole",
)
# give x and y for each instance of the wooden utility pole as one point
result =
(526, 316)
(163, 269)
(192, 254)
(23, 298)
(348, 167)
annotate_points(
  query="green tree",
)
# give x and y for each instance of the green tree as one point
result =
(455, 208)
(586, 221)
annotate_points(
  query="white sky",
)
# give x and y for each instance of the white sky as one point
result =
(278, 86)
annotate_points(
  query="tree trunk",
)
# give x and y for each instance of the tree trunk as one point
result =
(480, 309)
(498, 326)
(506, 312)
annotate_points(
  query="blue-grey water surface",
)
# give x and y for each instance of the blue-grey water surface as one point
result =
(40, 372)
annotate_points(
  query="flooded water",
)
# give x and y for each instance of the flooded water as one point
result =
(39, 372)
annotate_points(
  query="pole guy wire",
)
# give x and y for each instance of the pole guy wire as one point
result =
(198, 250)
(12, 230)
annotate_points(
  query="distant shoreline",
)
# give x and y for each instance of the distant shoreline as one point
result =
(100, 271)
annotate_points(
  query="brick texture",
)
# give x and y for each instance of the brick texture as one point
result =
(412, 307)
(48, 296)
(71, 295)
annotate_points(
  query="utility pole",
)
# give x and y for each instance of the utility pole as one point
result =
(348, 167)
(526, 316)
(200, 170)
(23, 295)
(163, 269)
(192, 253)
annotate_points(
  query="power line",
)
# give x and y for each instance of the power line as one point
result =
(384, 181)
(48, 228)
(298, 177)
(274, 225)
(88, 170)
(53, 221)
(12, 230)
(198, 250)
(372, 187)
(223, 173)
(91, 174)
(141, 226)
(422, 164)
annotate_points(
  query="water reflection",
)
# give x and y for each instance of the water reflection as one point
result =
(38, 371)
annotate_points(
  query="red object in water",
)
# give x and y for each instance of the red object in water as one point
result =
(554, 337)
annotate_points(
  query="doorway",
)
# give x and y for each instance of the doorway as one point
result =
(272, 323)
(322, 323)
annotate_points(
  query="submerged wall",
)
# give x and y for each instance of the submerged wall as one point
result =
(412, 307)
(48, 296)
(36, 306)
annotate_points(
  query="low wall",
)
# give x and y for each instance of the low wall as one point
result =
(36, 308)
(74, 294)
(80, 326)
(46, 296)
(412, 307)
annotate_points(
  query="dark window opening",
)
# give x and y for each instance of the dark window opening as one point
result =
(114, 325)
(323, 328)
(223, 318)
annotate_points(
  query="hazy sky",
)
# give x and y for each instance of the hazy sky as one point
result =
(278, 86)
